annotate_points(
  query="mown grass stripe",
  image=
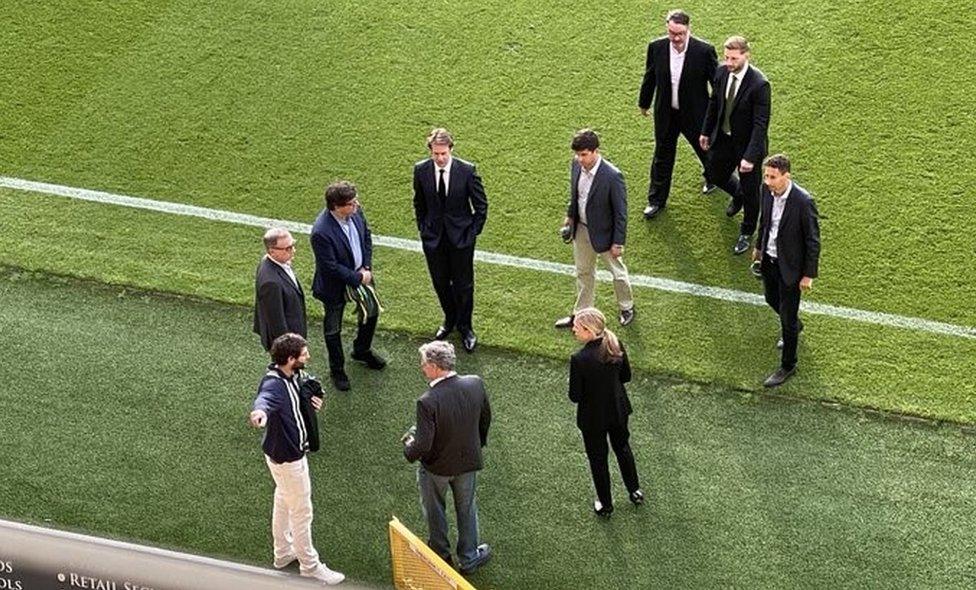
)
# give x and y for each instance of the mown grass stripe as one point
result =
(660, 284)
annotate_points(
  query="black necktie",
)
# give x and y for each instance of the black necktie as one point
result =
(441, 187)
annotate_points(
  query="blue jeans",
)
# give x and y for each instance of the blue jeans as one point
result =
(433, 491)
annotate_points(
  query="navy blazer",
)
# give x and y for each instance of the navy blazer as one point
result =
(749, 120)
(597, 387)
(697, 75)
(798, 238)
(334, 268)
(606, 206)
(279, 303)
(461, 216)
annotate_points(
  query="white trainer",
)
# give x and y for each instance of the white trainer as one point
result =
(284, 560)
(325, 575)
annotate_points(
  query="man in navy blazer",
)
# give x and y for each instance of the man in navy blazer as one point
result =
(789, 248)
(596, 219)
(678, 73)
(279, 302)
(735, 135)
(451, 209)
(343, 248)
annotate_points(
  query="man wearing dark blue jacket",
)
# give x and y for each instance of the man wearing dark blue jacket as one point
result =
(343, 248)
(285, 444)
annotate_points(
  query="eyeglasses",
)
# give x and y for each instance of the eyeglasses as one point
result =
(288, 248)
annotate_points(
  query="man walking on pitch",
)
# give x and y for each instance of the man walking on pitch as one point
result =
(789, 248)
(453, 417)
(735, 135)
(285, 445)
(679, 71)
(596, 219)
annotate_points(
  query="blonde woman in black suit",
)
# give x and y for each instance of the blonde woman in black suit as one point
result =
(597, 373)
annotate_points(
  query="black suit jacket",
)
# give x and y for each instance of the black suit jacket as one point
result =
(749, 121)
(597, 387)
(334, 267)
(798, 238)
(696, 77)
(606, 206)
(461, 216)
(452, 425)
(279, 303)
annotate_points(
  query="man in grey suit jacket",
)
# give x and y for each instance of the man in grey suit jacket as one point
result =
(453, 417)
(279, 302)
(677, 76)
(789, 248)
(596, 218)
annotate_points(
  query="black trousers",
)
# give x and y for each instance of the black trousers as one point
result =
(452, 274)
(723, 160)
(597, 451)
(785, 301)
(333, 335)
(665, 146)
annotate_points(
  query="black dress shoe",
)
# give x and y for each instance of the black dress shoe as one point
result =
(442, 333)
(707, 187)
(741, 245)
(370, 359)
(627, 316)
(566, 322)
(733, 208)
(779, 377)
(602, 511)
(651, 211)
(637, 498)
(340, 380)
(469, 341)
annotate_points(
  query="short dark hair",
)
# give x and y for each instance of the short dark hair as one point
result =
(778, 161)
(678, 17)
(440, 136)
(585, 139)
(339, 193)
(285, 347)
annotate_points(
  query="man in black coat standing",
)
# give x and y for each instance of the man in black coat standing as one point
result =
(451, 209)
(453, 417)
(735, 135)
(279, 302)
(789, 248)
(679, 71)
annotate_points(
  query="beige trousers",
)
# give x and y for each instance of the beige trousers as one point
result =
(585, 258)
(291, 518)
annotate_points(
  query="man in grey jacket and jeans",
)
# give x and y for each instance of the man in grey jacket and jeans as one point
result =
(453, 416)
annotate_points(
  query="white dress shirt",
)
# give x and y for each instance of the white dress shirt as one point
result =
(447, 175)
(287, 268)
(583, 187)
(677, 64)
(779, 204)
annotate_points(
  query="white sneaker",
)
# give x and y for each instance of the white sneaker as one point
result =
(325, 575)
(284, 560)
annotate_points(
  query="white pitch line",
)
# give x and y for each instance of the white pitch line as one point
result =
(668, 285)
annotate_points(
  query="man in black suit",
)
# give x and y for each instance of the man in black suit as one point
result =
(451, 208)
(679, 70)
(596, 219)
(279, 302)
(789, 248)
(453, 417)
(735, 135)
(343, 248)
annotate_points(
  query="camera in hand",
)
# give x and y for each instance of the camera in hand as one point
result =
(566, 233)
